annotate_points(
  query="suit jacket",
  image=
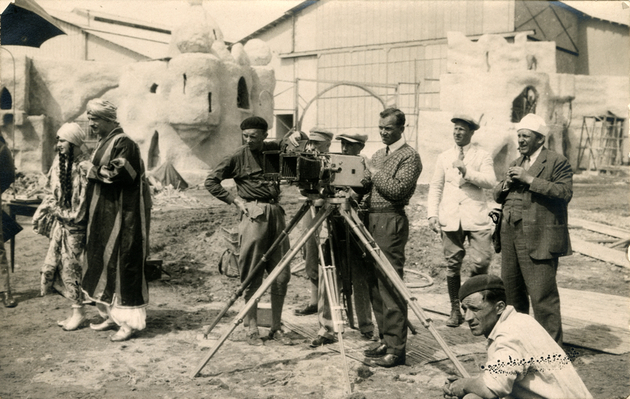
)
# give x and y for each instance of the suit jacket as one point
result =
(545, 205)
(455, 199)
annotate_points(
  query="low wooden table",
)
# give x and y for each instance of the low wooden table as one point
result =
(24, 208)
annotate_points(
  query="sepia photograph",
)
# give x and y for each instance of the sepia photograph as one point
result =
(346, 199)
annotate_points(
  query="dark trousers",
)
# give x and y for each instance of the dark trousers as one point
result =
(523, 275)
(391, 232)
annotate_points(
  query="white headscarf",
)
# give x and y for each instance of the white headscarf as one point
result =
(72, 132)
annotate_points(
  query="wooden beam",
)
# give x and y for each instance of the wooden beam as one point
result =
(600, 252)
(599, 228)
(621, 243)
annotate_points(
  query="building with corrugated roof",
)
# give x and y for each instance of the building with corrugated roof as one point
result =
(339, 63)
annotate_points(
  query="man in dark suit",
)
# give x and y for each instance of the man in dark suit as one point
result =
(534, 230)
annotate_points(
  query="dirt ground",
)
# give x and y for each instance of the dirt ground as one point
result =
(40, 360)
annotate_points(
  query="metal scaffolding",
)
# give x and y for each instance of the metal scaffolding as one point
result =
(601, 142)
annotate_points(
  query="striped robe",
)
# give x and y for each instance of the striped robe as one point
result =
(118, 224)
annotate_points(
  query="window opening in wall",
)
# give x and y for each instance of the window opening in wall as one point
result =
(524, 103)
(242, 96)
(284, 123)
(154, 151)
(6, 101)
(209, 101)
(154, 87)
(184, 83)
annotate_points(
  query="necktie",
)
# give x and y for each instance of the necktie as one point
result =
(387, 150)
(525, 163)
(461, 154)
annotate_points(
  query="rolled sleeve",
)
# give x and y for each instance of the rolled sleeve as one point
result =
(504, 367)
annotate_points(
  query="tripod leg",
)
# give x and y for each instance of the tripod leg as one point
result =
(258, 268)
(386, 267)
(329, 274)
(284, 262)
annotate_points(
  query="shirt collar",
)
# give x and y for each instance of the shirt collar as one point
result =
(534, 156)
(465, 147)
(509, 309)
(394, 146)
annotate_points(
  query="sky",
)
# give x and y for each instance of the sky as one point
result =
(238, 18)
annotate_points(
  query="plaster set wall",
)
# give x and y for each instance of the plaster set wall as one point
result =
(484, 78)
(194, 102)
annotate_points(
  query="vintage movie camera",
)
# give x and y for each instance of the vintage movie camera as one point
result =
(314, 170)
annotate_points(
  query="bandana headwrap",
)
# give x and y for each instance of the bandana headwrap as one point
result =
(72, 133)
(102, 109)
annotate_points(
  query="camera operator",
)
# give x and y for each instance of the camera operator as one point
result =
(319, 140)
(352, 143)
(262, 218)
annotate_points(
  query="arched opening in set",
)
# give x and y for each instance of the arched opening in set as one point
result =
(6, 100)
(326, 90)
(242, 94)
(153, 158)
(524, 103)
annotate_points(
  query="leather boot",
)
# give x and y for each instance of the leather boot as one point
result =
(456, 318)
(8, 300)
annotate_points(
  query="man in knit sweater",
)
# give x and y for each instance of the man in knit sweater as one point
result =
(394, 172)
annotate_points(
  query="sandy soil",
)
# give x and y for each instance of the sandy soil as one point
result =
(40, 360)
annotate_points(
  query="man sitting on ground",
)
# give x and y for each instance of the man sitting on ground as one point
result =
(523, 360)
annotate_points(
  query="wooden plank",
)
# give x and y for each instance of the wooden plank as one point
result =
(595, 307)
(599, 228)
(596, 336)
(600, 252)
(589, 319)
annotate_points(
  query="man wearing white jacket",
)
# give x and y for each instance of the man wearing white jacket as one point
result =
(457, 207)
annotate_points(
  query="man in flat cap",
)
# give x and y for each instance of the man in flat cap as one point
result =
(457, 207)
(352, 143)
(523, 360)
(534, 229)
(394, 171)
(118, 226)
(262, 219)
(319, 140)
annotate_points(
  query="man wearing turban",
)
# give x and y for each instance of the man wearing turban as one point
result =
(118, 226)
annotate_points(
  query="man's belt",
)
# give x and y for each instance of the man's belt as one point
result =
(262, 200)
(388, 209)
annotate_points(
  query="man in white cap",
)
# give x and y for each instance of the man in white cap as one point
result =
(457, 207)
(534, 229)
